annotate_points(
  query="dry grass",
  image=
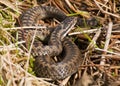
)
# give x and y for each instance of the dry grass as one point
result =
(100, 45)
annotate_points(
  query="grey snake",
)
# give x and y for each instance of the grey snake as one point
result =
(58, 42)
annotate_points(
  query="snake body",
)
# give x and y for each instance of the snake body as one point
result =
(58, 43)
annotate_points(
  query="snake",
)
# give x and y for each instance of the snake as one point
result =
(58, 45)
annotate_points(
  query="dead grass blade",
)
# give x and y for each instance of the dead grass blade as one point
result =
(10, 5)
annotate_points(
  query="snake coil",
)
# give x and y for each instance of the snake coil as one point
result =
(58, 43)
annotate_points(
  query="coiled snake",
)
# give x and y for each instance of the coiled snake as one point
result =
(58, 43)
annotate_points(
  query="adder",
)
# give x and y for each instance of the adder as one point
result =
(59, 44)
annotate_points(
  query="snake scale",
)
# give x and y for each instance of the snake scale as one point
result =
(58, 43)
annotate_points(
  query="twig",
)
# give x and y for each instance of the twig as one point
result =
(117, 42)
(29, 53)
(98, 4)
(85, 31)
(24, 27)
(115, 36)
(70, 5)
(107, 51)
(93, 42)
(20, 69)
(10, 47)
(63, 83)
(107, 42)
(8, 3)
